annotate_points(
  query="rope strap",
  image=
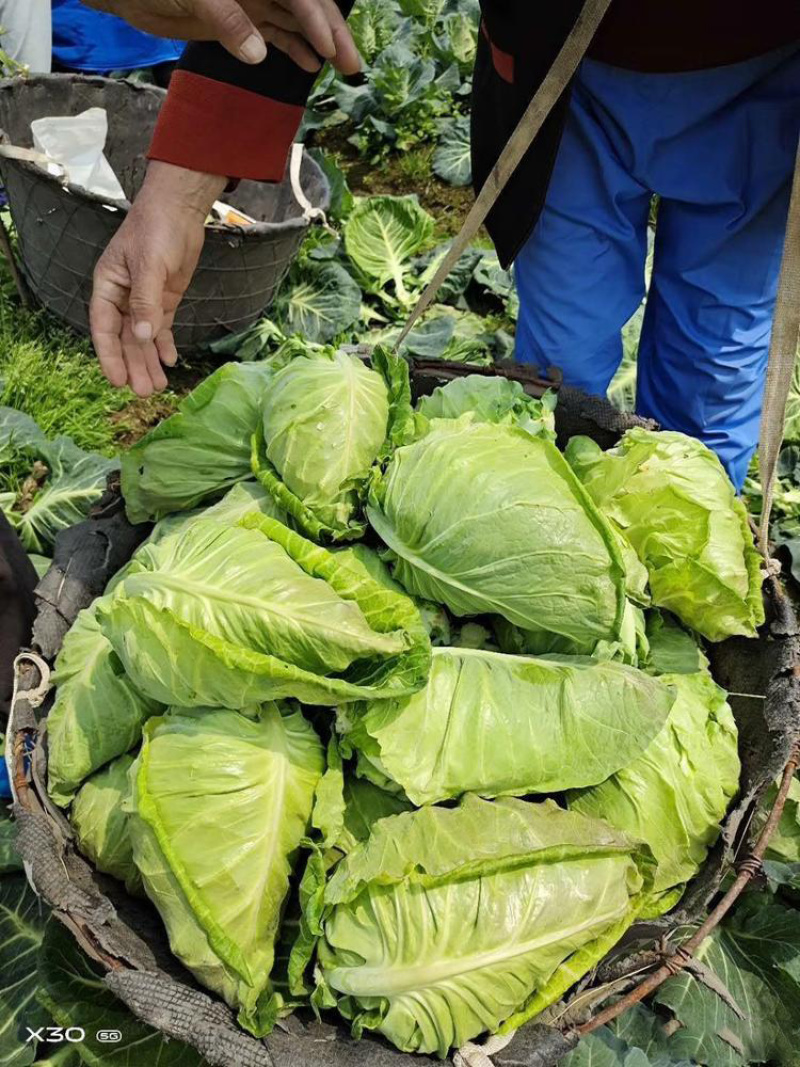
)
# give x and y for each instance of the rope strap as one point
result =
(782, 357)
(471, 1055)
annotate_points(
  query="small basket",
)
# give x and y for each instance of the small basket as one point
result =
(62, 229)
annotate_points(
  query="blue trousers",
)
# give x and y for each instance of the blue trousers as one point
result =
(718, 146)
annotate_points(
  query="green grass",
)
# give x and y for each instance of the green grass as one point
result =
(52, 375)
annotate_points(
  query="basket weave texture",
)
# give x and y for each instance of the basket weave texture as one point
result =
(62, 230)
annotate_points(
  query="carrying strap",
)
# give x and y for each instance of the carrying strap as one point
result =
(782, 357)
(543, 102)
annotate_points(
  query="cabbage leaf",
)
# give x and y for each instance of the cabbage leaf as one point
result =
(202, 450)
(101, 823)
(220, 804)
(98, 712)
(675, 795)
(407, 949)
(491, 399)
(489, 519)
(670, 497)
(493, 724)
(226, 616)
(326, 419)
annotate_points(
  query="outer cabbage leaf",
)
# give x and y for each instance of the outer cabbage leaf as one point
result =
(488, 519)
(98, 712)
(381, 236)
(245, 498)
(434, 617)
(407, 948)
(493, 724)
(101, 824)
(233, 615)
(672, 649)
(202, 450)
(220, 805)
(76, 480)
(326, 420)
(676, 794)
(671, 498)
(491, 399)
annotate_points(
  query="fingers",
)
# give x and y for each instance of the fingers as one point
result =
(295, 47)
(233, 29)
(105, 319)
(345, 58)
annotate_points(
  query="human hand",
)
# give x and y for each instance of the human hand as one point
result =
(144, 272)
(303, 29)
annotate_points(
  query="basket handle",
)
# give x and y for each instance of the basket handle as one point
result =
(310, 213)
(39, 159)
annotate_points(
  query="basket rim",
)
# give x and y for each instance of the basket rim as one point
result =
(257, 231)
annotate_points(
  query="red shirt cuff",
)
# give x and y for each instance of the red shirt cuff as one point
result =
(217, 128)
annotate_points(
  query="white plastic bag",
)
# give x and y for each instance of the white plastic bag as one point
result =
(76, 142)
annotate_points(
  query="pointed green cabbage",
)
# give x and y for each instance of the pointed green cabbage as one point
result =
(676, 794)
(326, 419)
(198, 453)
(673, 650)
(488, 519)
(491, 399)
(493, 724)
(232, 615)
(101, 824)
(669, 495)
(98, 712)
(245, 498)
(450, 922)
(220, 803)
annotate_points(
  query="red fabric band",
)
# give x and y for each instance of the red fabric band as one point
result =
(217, 128)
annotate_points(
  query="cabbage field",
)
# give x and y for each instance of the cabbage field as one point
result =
(402, 713)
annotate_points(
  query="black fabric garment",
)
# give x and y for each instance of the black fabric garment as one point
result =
(17, 608)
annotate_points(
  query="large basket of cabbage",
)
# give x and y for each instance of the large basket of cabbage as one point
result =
(379, 724)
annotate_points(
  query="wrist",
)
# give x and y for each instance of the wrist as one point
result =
(183, 189)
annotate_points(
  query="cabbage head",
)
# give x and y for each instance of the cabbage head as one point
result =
(327, 417)
(245, 498)
(488, 519)
(220, 804)
(101, 824)
(493, 724)
(669, 495)
(195, 455)
(227, 616)
(676, 794)
(98, 712)
(447, 923)
(491, 399)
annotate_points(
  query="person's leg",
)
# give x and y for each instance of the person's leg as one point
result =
(580, 276)
(725, 187)
(27, 37)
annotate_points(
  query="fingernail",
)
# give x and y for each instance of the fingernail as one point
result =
(143, 331)
(254, 50)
